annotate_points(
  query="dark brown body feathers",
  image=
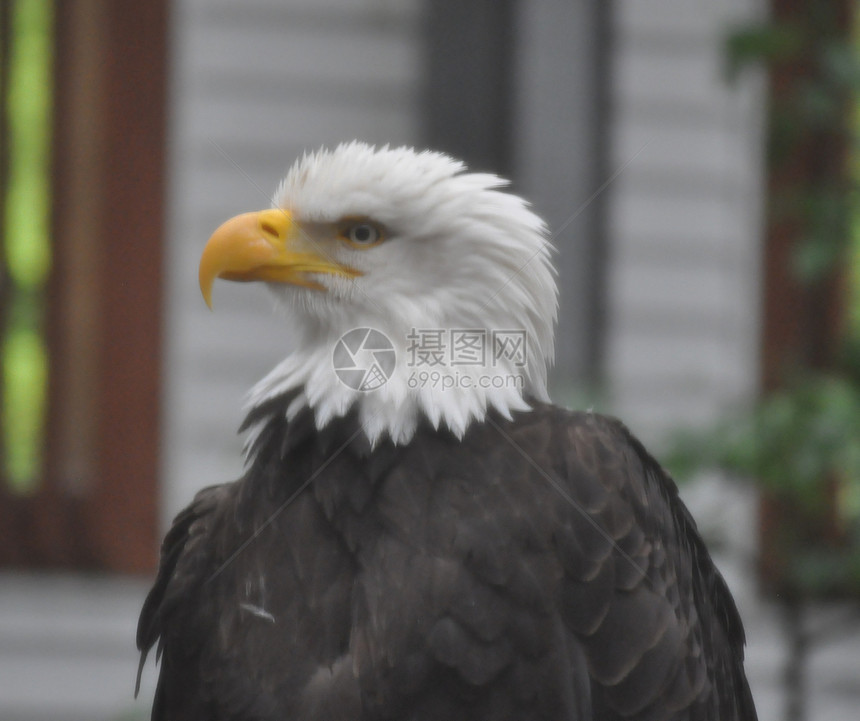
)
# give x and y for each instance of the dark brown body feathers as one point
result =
(541, 568)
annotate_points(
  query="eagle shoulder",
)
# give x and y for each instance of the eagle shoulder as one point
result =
(641, 592)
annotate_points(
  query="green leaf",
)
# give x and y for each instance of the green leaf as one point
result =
(754, 44)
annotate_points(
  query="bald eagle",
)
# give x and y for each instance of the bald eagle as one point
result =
(419, 533)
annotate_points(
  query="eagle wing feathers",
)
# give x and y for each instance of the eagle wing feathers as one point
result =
(542, 567)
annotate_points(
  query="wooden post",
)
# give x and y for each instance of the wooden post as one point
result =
(802, 321)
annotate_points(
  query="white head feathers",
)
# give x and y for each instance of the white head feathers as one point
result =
(462, 287)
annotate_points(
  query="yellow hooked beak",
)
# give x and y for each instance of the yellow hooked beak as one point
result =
(266, 245)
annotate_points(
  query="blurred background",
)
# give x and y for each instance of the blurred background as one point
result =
(695, 162)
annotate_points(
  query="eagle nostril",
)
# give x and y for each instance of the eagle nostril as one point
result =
(269, 229)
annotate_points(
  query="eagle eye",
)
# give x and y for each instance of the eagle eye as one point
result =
(362, 234)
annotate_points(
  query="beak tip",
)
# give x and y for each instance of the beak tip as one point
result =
(206, 292)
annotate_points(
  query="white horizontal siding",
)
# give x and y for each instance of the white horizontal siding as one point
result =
(641, 217)
(311, 56)
(690, 152)
(265, 122)
(681, 19)
(254, 85)
(67, 648)
(684, 217)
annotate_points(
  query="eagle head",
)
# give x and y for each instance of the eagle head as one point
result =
(403, 264)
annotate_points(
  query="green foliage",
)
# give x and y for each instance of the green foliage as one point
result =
(827, 571)
(752, 44)
(25, 380)
(812, 112)
(25, 242)
(788, 443)
(801, 445)
(827, 212)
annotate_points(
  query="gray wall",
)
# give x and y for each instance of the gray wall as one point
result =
(254, 85)
(684, 216)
